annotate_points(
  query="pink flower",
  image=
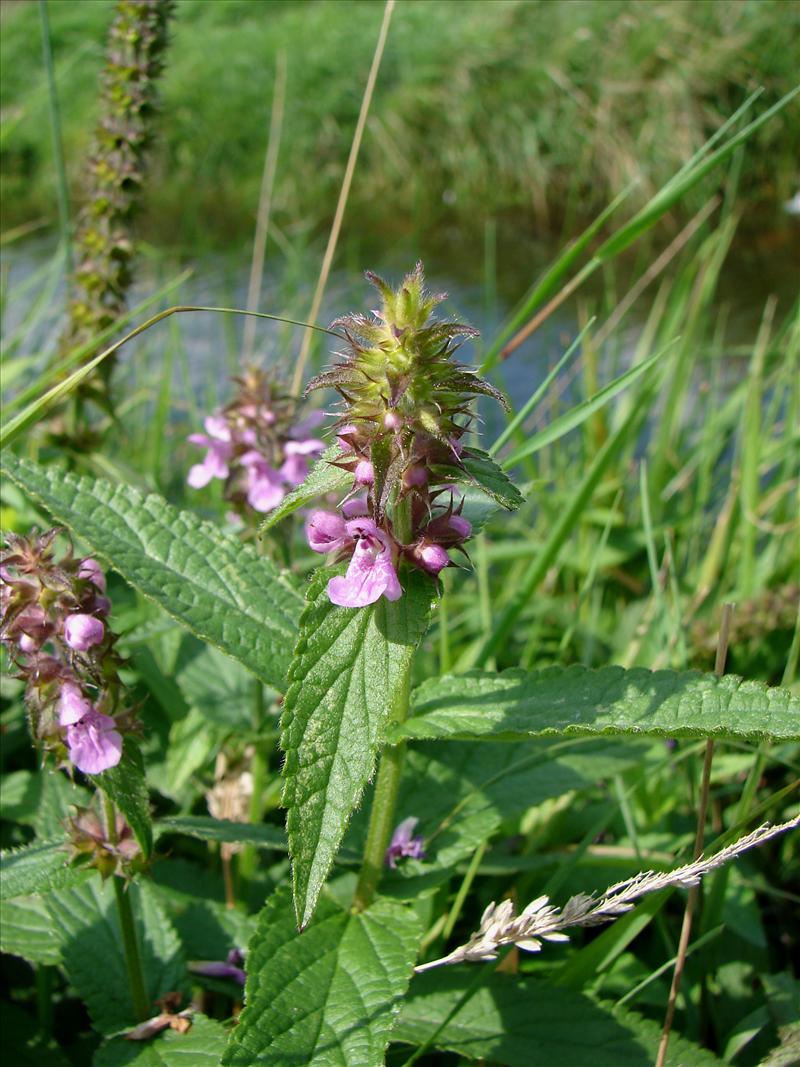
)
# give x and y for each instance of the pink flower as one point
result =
(371, 573)
(264, 484)
(220, 448)
(392, 421)
(92, 739)
(326, 532)
(90, 570)
(94, 745)
(229, 968)
(404, 843)
(415, 475)
(295, 469)
(83, 631)
(345, 437)
(356, 507)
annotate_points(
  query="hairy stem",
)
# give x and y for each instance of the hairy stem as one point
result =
(384, 802)
(130, 943)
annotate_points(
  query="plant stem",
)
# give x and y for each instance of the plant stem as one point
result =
(130, 943)
(384, 802)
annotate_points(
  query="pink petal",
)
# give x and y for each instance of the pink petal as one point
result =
(94, 745)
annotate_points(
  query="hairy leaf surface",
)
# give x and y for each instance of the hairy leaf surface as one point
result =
(220, 589)
(350, 666)
(37, 868)
(200, 1047)
(329, 995)
(578, 701)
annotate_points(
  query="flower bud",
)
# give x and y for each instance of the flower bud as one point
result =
(392, 421)
(449, 529)
(72, 704)
(356, 507)
(416, 475)
(431, 557)
(83, 631)
(365, 474)
(345, 437)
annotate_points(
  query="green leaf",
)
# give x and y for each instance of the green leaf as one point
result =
(86, 923)
(327, 996)
(193, 743)
(350, 666)
(208, 829)
(221, 590)
(26, 930)
(482, 471)
(577, 701)
(125, 784)
(42, 800)
(36, 869)
(323, 478)
(680, 1053)
(201, 1046)
(522, 1022)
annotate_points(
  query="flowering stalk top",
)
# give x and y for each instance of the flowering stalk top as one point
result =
(54, 624)
(252, 445)
(406, 404)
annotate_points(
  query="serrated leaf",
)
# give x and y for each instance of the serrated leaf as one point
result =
(37, 868)
(321, 479)
(350, 665)
(86, 923)
(42, 800)
(329, 995)
(521, 1022)
(125, 784)
(482, 471)
(221, 590)
(207, 829)
(201, 1046)
(577, 701)
(680, 1053)
(26, 930)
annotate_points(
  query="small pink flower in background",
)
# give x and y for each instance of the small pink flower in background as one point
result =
(326, 532)
(81, 632)
(90, 570)
(295, 468)
(404, 843)
(264, 484)
(218, 441)
(72, 704)
(371, 573)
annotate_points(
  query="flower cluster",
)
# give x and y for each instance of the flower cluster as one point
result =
(253, 447)
(54, 624)
(406, 406)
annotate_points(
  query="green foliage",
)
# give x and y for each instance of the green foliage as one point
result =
(350, 670)
(217, 588)
(329, 995)
(522, 1022)
(26, 930)
(200, 1047)
(483, 472)
(207, 829)
(37, 868)
(576, 701)
(86, 925)
(125, 785)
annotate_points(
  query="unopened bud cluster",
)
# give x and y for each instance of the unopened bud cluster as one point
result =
(93, 842)
(406, 405)
(54, 625)
(253, 446)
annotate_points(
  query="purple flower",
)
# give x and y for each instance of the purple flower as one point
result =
(295, 468)
(92, 739)
(404, 843)
(229, 968)
(431, 558)
(371, 573)
(220, 447)
(90, 570)
(356, 507)
(326, 532)
(264, 484)
(83, 631)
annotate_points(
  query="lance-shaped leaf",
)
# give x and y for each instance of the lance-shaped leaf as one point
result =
(480, 470)
(37, 868)
(329, 995)
(324, 477)
(578, 701)
(351, 665)
(218, 588)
